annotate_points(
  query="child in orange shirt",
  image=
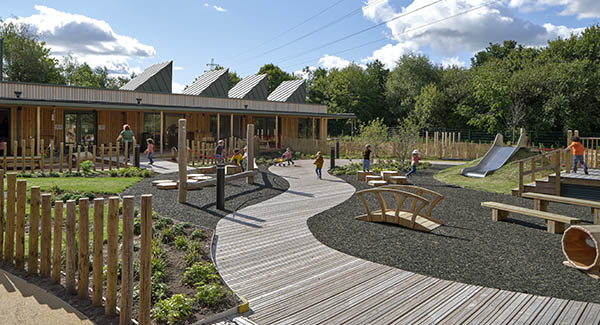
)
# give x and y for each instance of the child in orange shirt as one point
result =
(578, 151)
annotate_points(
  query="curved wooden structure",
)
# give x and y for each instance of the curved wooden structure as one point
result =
(412, 210)
(581, 246)
(433, 197)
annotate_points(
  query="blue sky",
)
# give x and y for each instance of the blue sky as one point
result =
(242, 35)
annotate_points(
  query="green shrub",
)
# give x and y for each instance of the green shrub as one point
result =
(86, 167)
(167, 236)
(178, 229)
(173, 309)
(198, 234)
(163, 223)
(180, 243)
(209, 294)
(194, 253)
(113, 173)
(137, 226)
(199, 273)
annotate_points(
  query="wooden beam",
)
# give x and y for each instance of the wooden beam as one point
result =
(276, 131)
(182, 161)
(231, 128)
(162, 133)
(218, 126)
(38, 117)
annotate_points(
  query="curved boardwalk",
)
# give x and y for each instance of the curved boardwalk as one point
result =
(267, 254)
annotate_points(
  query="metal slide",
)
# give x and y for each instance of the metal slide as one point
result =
(496, 157)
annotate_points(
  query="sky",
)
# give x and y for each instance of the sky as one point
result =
(242, 35)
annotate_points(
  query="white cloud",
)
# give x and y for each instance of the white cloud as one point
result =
(453, 62)
(335, 62)
(177, 87)
(177, 68)
(217, 8)
(581, 8)
(472, 31)
(90, 40)
(303, 74)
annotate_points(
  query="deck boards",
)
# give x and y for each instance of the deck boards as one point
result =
(267, 254)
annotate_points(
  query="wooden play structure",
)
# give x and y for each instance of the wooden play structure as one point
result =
(199, 181)
(540, 202)
(581, 246)
(556, 223)
(413, 206)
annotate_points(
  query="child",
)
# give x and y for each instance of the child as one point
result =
(319, 163)
(278, 162)
(367, 158)
(415, 162)
(237, 158)
(578, 151)
(288, 156)
(150, 150)
(219, 152)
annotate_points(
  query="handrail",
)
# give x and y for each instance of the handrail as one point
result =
(555, 164)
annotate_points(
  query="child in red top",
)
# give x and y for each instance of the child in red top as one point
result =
(578, 151)
(150, 150)
(414, 163)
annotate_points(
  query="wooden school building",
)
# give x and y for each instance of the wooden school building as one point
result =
(92, 116)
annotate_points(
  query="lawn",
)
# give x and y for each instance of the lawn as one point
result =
(501, 181)
(100, 185)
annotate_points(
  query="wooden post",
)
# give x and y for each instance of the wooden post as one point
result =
(78, 156)
(218, 126)
(32, 152)
(15, 150)
(38, 117)
(70, 158)
(112, 255)
(521, 185)
(83, 265)
(20, 239)
(557, 171)
(70, 248)
(110, 152)
(203, 152)
(51, 154)
(46, 235)
(162, 136)
(145, 259)
(98, 262)
(94, 156)
(118, 154)
(4, 152)
(533, 166)
(9, 239)
(182, 162)
(126, 154)
(57, 242)
(102, 157)
(2, 208)
(61, 156)
(127, 262)
(23, 154)
(277, 132)
(34, 220)
(41, 153)
(250, 155)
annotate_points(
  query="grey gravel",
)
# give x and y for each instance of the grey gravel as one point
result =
(200, 208)
(516, 254)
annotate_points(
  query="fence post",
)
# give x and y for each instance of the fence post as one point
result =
(521, 185)
(23, 153)
(112, 255)
(118, 154)
(102, 157)
(557, 171)
(41, 151)
(20, 244)
(83, 264)
(182, 161)
(15, 150)
(79, 155)
(70, 158)
(32, 153)
(533, 166)
(2, 207)
(110, 154)
(57, 242)
(127, 262)
(145, 259)
(4, 153)
(61, 156)
(98, 262)
(94, 156)
(70, 248)
(51, 155)
(9, 240)
(34, 223)
(46, 235)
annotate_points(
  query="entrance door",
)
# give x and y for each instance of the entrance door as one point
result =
(172, 130)
(4, 129)
(80, 128)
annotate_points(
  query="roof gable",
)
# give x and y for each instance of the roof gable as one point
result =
(213, 83)
(251, 87)
(293, 91)
(156, 78)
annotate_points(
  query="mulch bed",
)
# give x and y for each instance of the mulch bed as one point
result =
(517, 254)
(200, 208)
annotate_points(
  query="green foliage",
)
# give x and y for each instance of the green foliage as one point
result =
(209, 294)
(180, 243)
(137, 226)
(275, 76)
(199, 273)
(163, 223)
(173, 309)
(86, 167)
(377, 167)
(198, 234)
(374, 132)
(194, 253)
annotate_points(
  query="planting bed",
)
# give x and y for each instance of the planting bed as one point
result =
(517, 254)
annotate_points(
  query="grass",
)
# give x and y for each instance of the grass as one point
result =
(101, 185)
(501, 181)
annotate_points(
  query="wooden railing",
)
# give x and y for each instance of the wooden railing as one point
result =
(540, 164)
(77, 230)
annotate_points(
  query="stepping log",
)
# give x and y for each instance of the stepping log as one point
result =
(167, 186)
(386, 174)
(373, 178)
(159, 181)
(360, 175)
(398, 180)
(377, 183)
(192, 176)
(207, 170)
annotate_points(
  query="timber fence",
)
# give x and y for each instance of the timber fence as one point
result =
(49, 227)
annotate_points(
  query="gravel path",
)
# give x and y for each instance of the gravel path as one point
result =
(201, 207)
(516, 254)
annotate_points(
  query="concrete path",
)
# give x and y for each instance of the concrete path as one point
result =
(267, 254)
(24, 303)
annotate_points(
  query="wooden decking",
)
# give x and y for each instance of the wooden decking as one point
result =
(267, 254)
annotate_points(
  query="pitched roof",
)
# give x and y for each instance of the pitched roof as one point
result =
(251, 87)
(213, 83)
(156, 78)
(289, 91)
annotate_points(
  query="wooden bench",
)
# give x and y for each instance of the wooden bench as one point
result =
(555, 223)
(407, 212)
(540, 202)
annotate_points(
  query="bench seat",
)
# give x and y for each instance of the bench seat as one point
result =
(540, 202)
(555, 222)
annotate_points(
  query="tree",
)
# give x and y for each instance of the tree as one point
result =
(233, 76)
(25, 58)
(275, 76)
(77, 74)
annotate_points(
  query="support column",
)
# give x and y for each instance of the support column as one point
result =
(250, 155)
(162, 132)
(182, 161)
(37, 130)
(276, 132)
(218, 126)
(313, 129)
(231, 126)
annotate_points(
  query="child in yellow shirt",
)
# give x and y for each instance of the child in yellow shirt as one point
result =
(237, 158)
(319, 164)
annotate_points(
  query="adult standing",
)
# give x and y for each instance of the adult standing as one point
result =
(128, 137)
(367, 158)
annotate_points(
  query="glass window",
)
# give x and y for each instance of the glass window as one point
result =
(151, 130)
(305, 128)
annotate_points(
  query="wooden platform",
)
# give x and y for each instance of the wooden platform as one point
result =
(267, 254)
